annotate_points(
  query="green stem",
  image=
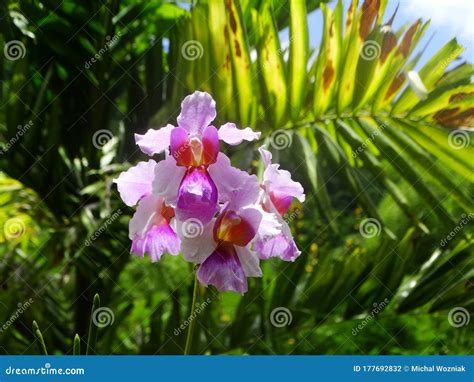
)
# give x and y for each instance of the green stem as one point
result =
(39, 338)
(192, 323)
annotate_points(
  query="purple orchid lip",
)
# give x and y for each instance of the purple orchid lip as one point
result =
(232, 228)
(197, 196)
(224, 270)
(157, 240)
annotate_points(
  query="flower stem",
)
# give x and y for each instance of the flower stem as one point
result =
(192, 323)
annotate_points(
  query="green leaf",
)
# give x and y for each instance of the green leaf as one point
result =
(235, 34)
(299, 47)
(272, 75)
(429, 74)
(92, 337)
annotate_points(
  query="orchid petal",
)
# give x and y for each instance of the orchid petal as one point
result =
(266, 156)
(223, 270)
(180, 147)
(198, 110)
(197, 196)
(197, 242)
(281, 188)
(237, 228)
(135, 183)
(157, 240)
(234, 186)
(282, 246)
(270, 224)
(210, 145)
(147, 212)
(154, 141)
(249, 261)
(230, 134)
(168, 177)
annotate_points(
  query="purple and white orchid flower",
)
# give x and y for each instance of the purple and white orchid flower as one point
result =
(196, 203)
(223, 247)
(278, 192)
(150, 227)
(183, 179)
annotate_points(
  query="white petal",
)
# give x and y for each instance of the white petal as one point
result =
(230, 134)
(197, 240)
(146, 212)
(234, 186)
(266, 156)
(154, 141)
(135, 183)
(249, 261)
(168, 177)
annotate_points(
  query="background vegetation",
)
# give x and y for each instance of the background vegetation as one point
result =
(85, 76)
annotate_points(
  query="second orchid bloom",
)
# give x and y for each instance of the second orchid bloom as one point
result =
(196, 203)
